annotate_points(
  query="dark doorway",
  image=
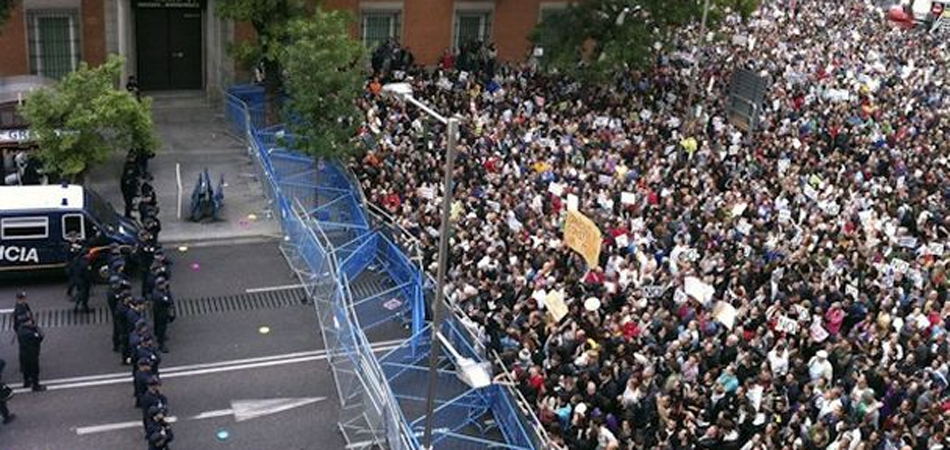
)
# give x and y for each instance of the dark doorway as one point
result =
(168, 47)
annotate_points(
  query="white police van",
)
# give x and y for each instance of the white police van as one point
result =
(35, 222)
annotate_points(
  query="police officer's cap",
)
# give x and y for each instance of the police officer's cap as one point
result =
(145, 337)
(141, 323)
(139, 301)
(154, 381)
(144, 362)
(20, 295)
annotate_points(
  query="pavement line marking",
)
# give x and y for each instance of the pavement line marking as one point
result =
(6, 311)
(125, 375)
(286, 287)
(116, 426)
(213, 414)
(126, 378)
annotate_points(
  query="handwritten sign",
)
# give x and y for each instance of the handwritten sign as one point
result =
(786, 325)
(572, 202)
(556, 189)
(628, 198)
(582, 235)
(652, 291)
(556, 307)
(725, 314)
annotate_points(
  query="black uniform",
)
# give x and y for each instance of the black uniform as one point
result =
(21, 313)
(79, 274)
(120, 325)
(163, 311)
(30, 338)
(140, 385)
(130, 186)
(161, 439)
(149, 399)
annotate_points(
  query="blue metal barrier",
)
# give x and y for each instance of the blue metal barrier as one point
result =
(360, 279)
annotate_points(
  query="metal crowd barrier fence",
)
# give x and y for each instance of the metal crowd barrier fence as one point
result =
(330, 242)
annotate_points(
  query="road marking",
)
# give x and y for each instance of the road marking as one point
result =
(169, 370)
(273, 288)
(6, 311)
(55, 385)
(241, 410)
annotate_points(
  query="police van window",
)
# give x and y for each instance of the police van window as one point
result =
(13, 228)
(73, 225)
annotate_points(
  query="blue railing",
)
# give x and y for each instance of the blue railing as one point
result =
(331, 242)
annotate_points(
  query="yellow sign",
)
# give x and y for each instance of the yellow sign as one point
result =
(556, 308)
(582, 235)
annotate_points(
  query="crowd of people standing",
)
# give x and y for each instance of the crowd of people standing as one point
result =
(818, 245)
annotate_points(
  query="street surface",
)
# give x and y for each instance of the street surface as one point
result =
(267, 391)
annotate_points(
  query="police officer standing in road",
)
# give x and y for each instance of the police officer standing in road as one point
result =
(157, 424)
(21, 312)
(129, 184)
(152, 397)
(30, 338)
(140, 380)
(163, 311)
(81, 276)
(121, 325)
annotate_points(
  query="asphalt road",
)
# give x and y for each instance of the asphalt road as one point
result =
(221, 363)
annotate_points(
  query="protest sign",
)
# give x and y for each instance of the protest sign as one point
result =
(699, 290)
(582, 235)
(725, 314)
(628, 198)
(556, 189)
(652, 291)
(572, 202)
(623, 241)
(556, 307)
(786, 325)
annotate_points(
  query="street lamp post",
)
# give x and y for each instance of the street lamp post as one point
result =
(693, 116)
(404, 91)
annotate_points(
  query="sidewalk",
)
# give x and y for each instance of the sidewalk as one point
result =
(192, 134)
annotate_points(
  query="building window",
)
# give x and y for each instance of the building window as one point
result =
(378, 27)
(54, 42)
(472, 26)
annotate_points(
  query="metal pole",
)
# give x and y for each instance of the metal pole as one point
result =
(692, 86)
(440, 281)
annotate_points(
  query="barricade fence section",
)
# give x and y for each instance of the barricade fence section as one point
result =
(354, 268)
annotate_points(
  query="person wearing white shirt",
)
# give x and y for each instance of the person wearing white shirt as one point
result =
(778, 360)
(819, 367)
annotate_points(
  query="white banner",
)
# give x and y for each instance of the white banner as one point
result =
(15, 136)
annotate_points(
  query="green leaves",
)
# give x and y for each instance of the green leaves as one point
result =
(6, 6)
(323, 78)
(596, 38)
(84, 117)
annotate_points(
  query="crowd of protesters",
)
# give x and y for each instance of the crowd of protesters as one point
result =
(825, 231)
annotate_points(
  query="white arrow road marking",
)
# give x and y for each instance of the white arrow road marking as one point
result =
(252, 409)
(241, 410)
(201, 369)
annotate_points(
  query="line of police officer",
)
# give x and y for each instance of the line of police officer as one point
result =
(139, 344)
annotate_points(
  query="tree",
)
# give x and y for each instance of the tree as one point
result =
(270, 19)
(323, 76)
(78, 121)
(600, 37)
(6, 6)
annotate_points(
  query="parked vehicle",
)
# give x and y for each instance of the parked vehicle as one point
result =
(37, 221)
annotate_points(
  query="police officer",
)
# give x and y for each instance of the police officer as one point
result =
(163, 311)
(21, 312)
(30, 338)
(121, 326)
(4, 411)
(161, 439)
(154, 271)
(118, 287)
(80, 282)
(140, 379)
(129, 184)
(74, 249)
(152, 397)
(146, 350)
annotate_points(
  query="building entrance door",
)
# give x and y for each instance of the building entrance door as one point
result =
(168, 45)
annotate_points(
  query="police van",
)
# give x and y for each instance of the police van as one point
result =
(36, 221)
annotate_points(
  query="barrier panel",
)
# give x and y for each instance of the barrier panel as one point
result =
(361, 280)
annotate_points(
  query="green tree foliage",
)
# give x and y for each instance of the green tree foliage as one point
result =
(599, 37)
(323, 76)
(6, 6)
(78, 121)
(270, 19)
